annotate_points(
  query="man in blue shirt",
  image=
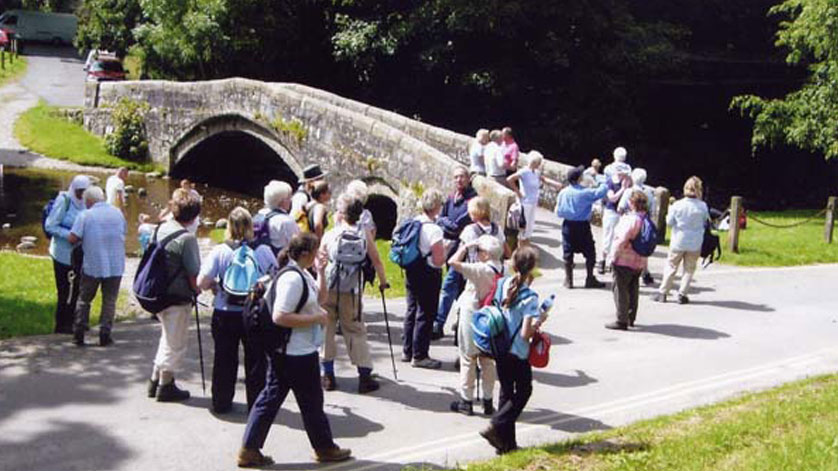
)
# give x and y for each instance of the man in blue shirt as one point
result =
(573, 204)
(101, 230)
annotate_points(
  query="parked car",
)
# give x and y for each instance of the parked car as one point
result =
(103, 70)
(28, 25)
(4, 40)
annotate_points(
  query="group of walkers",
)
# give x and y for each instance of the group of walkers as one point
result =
(314, 276)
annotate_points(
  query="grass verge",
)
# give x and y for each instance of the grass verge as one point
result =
(791, 427)
(28, 297)
(43, 130)
(12, 70)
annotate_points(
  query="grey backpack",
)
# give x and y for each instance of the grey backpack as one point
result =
(346, 256)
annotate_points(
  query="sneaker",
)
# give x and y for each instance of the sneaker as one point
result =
(328, 382)
(105, 340)
(152, 387)
(428, 363)
(683, 299)
(463, 407)
(171, 393)
(406, 358)
(659, 298)
(250, 458)
(367, 384)
(616, 326)
(332, 455)
(592, 282)
(491, 435)
(488, 407)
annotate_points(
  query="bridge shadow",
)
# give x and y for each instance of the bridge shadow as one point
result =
(563, 381)
(682, 331)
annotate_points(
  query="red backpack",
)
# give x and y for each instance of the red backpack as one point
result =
(490, 296)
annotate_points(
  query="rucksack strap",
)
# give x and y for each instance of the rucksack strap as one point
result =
(303, 296)
(169, 237)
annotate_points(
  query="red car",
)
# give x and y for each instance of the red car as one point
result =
(105, 70)
(4, 39)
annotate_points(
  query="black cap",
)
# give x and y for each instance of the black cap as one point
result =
(575, 174)
(312, 172)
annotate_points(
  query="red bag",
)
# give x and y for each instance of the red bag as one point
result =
(539, 349)
(490, 296)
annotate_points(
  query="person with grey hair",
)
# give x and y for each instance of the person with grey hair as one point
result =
(101, 231)
(531, 179)
(475, 153)
(274, 219)
(359, 190)
(423, 281)
(493, 155)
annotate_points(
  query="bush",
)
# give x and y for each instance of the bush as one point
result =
(128, 139)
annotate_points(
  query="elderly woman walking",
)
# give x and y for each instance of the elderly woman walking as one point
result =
(687, 218)
(65, 209)
(628, 265)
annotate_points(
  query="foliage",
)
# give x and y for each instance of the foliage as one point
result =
(42, 129)
(790, 427)
(291, 127)
(107, 25)
(12, 70)
(807, 117)
(128, 139)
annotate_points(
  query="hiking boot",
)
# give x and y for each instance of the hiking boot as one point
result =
(568, 276)
(428, 363)
(406, 358)
(328, 382)
(78, 338)
(250, 458)
(601, 267)
(491, 435)
(592, 282)
(659, 298)
(488, 407)
(105, 340)
(648, 280)
(152, 387)
(171, 393)
(367, 383)
(332, 455)
(617, 326)
(683, 299)
(463, 407)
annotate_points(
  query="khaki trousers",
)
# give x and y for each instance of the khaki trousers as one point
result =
(174, 331)
(351, 325)
(673, 260)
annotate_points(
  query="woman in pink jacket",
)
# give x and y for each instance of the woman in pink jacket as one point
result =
(628, 265)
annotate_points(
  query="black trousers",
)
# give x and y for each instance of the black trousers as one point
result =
(300, 374)
(515, 377)
(577, 238)
(227, 333)
(626, 289)
(68, 295)
(423, 283)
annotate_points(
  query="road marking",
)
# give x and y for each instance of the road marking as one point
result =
(414, 452)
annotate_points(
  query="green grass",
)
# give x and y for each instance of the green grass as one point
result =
(793, 427)
(12, 70)
(42, 130)
(395, 275)
(28, 297)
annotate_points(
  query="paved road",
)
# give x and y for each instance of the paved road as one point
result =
(55, 74)
(65, 408)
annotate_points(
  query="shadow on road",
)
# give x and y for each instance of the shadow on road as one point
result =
(563, 381)
(45, 50)
(561, 421)
(682, 331)
(738, 305)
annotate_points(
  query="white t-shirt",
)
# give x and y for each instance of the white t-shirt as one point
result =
(113, 187)
(304, 340)
(493, 156)
(428, 237)
(473, 232)
(475, 154)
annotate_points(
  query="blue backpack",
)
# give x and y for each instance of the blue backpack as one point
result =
(404, 248)
(151, 282)
(490, 326)
(647, 239)
(262, 230)
(241, 274)
(48, 209)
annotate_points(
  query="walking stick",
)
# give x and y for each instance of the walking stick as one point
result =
(389, 339)
(200, 346)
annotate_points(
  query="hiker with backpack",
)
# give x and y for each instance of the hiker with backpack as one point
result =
(272, 225)
(628, 259)
(182, 258)
(638, 178)
(687, 217)
(314, 217)
(453, 219)
(529, 190)
(359, 190)
(294, 298)
(616, 175)
(481, 278)
(522, 317)
(423, 273)
(311, 175)
(230, 270)
(59, 216)
(347, 246)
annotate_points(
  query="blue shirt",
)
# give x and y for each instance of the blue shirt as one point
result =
(59, 222)
(575, 201)
(102, 232)
(216, 264)
(515, 315)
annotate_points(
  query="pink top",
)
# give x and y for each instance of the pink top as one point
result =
(622, 253)
(510, 155)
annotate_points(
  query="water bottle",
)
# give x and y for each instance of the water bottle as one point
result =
(546, 305)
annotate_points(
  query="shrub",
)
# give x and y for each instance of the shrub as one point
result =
(128, 139)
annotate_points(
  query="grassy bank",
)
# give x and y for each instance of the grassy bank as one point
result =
(28, 297)
(793, 427)
(43, 130)
(13, 70)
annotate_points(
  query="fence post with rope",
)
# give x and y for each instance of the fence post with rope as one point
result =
(830, 219)
(733, 234)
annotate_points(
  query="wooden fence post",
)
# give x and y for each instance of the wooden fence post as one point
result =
(733, 235)
(3, 59)
(662, 208)
(830, 219)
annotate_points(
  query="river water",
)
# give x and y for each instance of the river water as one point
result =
(24, 192)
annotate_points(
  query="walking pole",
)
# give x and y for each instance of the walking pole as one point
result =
(389, 339)
(200, 345)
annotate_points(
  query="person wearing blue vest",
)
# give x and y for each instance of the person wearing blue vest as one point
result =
(453, 219)
(573, 205)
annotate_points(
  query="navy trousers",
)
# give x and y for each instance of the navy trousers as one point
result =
(227, 333)
(423, 283)
(515, 377)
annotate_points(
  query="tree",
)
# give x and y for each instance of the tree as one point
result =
(806, 118)
(107, 24)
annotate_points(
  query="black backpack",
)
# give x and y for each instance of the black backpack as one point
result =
(711, 248)
(258, 313)
(151, 283)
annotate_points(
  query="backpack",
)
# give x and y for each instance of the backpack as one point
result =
(241, 274)
(711, 248)
(647, 239)
(257, 315)
(48, 209)
(472, 252)
(490, 296)
(303, 218)
(262, 230)
(515, 219)
(346, 258)
(151, 283)
(404, 248)
(490, 327)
